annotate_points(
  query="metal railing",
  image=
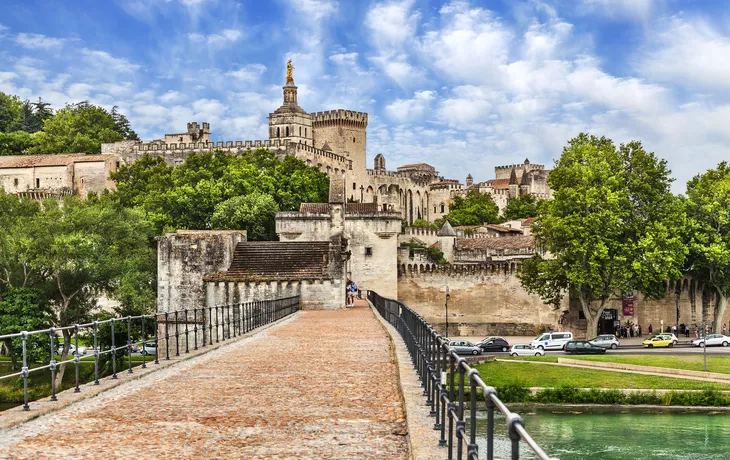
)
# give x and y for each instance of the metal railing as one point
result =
(198, 327)
(445, 377)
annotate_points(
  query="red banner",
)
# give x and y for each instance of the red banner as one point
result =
(628, 307)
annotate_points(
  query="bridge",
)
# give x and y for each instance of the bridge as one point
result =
(264, 380)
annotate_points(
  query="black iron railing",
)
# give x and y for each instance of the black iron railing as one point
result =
(175, 331)
(446, 377)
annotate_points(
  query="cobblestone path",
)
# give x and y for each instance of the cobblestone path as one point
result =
(321, 385)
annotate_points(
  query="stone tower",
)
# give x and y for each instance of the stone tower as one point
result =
(379, 162)
(524, 183)
(514, 187)
(469, 181)
(290, 122)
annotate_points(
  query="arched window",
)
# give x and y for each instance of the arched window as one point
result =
(300, 131)
(278, 132)
(442, 207)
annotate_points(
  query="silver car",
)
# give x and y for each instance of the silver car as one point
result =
(464, 347)
(525, 350)
(606, 341)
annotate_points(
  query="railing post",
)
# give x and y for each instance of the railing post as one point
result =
(52, 334)
(144, 345)
(96, 355)
(460, 425)
(114, 351)
(77, 358)
(217, 324)
(167, 336)
(24, 370)
(129, 343)
(490, 421)
(228, 326)
(202, 313)
(187, 333)
(157, 338)
(195, 328)
(512, 421)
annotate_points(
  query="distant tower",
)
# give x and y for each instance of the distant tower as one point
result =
(290, 122)
(469, 181)
(379, 162)
(525, 183)
(514, 188)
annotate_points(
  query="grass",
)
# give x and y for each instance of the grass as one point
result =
(502, 374)
(720, 364)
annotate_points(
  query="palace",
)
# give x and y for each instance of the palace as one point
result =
(335, 141)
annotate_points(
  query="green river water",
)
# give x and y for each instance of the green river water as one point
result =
(621, 435)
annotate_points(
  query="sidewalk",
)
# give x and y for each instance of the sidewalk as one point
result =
(321, 385)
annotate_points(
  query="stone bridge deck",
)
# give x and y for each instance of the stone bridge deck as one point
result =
(322, 384)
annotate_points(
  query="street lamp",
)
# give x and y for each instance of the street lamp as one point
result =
(447, 311)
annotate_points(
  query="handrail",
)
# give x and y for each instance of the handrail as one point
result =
(436, 363)
(243, 317)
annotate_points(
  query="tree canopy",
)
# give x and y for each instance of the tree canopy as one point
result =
(32, 127)
(473, 209)
(708, 213)
(520, 207)
(613, 225)
(189, 195)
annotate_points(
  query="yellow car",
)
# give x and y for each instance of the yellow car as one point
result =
(658, 341)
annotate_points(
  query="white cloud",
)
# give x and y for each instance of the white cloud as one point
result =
(248, 74)
(171, 97)
(225, 37)
(314, 10)
(344, 58)
(411, 110)
(636, 9)
(689, 53)
(79, 91)
(104, 60)
(38, 41)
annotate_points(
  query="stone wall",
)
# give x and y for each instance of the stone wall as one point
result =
(183, 258)
(481, 303)
(314, 294)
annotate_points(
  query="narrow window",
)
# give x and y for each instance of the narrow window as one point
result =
(37, 183)
(442, 208)
(305, 132)
(434, 209)
(353, 139)
(300, 131)
(354, 186)
(368, 252)
(15, 182)
(278, 132)
(287, 131)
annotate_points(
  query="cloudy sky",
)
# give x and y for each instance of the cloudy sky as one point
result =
(463, 85)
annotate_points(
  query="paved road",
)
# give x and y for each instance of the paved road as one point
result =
(320, 385)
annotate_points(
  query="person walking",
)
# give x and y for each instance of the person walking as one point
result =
(348, 293)
(640, 330)
(686, 331)
(724, 329)
(651, 331)
(353, 292)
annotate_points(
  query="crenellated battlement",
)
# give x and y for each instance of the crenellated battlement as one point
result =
(338, 116)
(210, 146)
(324, 153)
(531, 167)
(507, 267)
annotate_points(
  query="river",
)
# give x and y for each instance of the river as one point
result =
(621, 435)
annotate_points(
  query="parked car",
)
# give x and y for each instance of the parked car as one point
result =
(496, 344)
(150, 348)
(606, 341)
(712, 340)
(552, 340)
(669, 335)
(663, 340)
(72, 350)
(583, 347)
(465, 347)
(525, 350)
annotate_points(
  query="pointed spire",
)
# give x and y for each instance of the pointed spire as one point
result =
(513, 177)
(525, 179)
(446, 230)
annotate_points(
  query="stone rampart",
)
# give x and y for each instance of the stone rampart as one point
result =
(339, 116)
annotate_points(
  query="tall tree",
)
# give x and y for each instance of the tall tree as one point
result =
(708, 212)
(93, 248)
(613, 225)
(520, 207)
(22, 240)
(473, 209)
(122, 125)
(253, 212)
(24, 309)
(11, 112)
(42, 111)
(77, 128)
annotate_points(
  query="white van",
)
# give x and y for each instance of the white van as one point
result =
(552, 340)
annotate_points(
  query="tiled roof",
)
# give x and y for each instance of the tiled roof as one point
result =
(527, 222)
(361, 207)
(498, 183)
(26, 161)
(507, 242)
(316, 208)
(275, 260)
(446, 229)
(503, 229)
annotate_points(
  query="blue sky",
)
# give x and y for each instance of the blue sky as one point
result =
(463, 85)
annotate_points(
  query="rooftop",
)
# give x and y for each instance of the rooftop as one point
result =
(65, 159)
(508, 242)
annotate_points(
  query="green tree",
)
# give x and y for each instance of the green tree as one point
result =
(17, 143)
(473, 209)
(253, 212)
(186, 196)
(93, 247)
(122, 125)
(612, 225)
(42, 111)
(521, 207)
(420, 223)
(22, 239)
(11, 113)
(24, 309)
(77, 128)
(708, 212)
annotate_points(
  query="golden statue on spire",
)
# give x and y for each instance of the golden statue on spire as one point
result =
(289, 68)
